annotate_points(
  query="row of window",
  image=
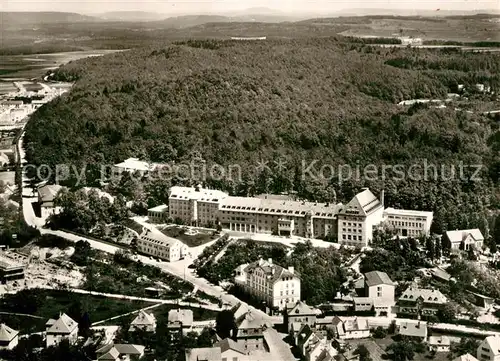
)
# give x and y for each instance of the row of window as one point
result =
(352, 237)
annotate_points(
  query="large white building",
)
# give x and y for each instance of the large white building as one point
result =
(156, 244)
(353, 224)
(489, 349)
(408, 223)
(358, 219)
(269, 282)
(465, 239)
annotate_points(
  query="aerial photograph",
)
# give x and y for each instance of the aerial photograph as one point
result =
(250, 180)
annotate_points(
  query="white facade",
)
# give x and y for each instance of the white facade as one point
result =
(275, 285)
(489, 349)
(158, 245)
(358, 218)
(64, 328)
(408, 223)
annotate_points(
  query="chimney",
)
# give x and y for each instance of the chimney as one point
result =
(382, 197)
(260, 261)
(270, 260)
(291, 269)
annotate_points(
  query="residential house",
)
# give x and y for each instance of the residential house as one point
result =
(299, 313)
(158, 214)
(269, 282)
(464, 239)
(250, 333)
(317, 347)
(421, 301)
(439, 343)
(305, 337)
(64, 328)
(441, 275)
(204, 354)
(489, 349)
(155, 243)
(232, 350)
(47, 193)
(8, 337)
(380, 289)
(482, 301)
(466, 357)
(144, 321)
(350, 329)
(119, 352)
(180, 320)
(357, 219)
(413, 329)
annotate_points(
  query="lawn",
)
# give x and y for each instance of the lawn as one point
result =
(201, 236)
(48, 304)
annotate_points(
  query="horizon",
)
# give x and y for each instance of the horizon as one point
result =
(285, 7)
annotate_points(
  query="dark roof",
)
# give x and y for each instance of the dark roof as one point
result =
(228, 344)
(375, 278)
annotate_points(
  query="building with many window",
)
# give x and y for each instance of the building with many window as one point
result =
(421, 301)
(352, 224)
(269, 282)
(156, 244)
(408, 223)
(10, 270)
(357, 219)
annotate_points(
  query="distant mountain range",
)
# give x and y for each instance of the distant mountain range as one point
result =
(18, 20)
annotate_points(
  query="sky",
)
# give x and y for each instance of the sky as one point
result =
(222, 6)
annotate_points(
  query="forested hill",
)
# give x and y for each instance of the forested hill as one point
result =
(324, 99)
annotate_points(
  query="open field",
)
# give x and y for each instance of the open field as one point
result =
(47, 304)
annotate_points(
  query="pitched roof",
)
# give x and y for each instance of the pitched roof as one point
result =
(413, 328)
(358, 324)
(228, 344)
(439, 341)
(144, 319)
(160, 208)
(112, 354)
(466, 357)
(250, 320)
(204, 354)
(136, 165)
(427, 295)
(47, 193)
(459, 235)
(271, 270)
(159, 238)
(301, 308)
(122, 349)
(363, 203)
(375, 278)
(64, 324)
(7, 333)
(183, 316)
(493, 343)
(440, 273)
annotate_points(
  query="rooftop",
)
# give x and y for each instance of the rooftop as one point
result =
(406, 212)
(159, 238)
(182, 316)
(427, 295)
(7, 333)
(363, 203)
(273, 271)
(459, 235)
(439, 341)
(466, 357)
(63, 325)
(204, 354)
(161, 208)
(413, 328)
(47, 193)
(375, 278)
(144, 319)
(229, 344)
(8, 264)
(196, 193)
(493, 343)
(136, 165)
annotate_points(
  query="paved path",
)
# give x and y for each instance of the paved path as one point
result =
(126, 314)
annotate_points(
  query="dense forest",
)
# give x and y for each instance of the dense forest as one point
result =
(320, 99)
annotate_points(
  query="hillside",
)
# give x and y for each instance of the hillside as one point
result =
(324, 100)
(12, 20)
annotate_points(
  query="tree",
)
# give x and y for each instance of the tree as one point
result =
(225, 324)
(493, 246)
(402, 350)
(83, 252)
(447, 313)
(466, 345)
(496, 230)
(362, 351)
(379, 332)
